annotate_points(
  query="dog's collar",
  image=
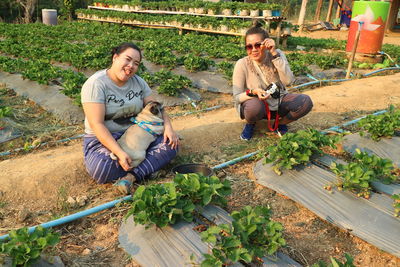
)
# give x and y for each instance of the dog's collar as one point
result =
(142, 124)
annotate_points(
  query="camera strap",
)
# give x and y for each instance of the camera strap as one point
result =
(268, 112)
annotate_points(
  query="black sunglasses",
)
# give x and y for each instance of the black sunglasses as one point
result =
(251, 47)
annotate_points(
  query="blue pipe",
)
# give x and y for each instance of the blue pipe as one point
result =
(111, 204)
(75, 216)
(339, 80)
(233, 161)
(380, 70)
(312, 77)
(338, 128)
(304, 85)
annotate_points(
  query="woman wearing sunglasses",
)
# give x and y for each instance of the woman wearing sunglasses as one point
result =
(265, 67)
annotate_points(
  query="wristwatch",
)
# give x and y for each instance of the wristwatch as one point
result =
(276, 56)
(249, 92)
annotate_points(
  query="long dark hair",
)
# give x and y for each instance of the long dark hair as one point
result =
(122, 47)
(256, 29)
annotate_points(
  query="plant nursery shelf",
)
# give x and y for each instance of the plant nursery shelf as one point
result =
(164, 12)
(161, 26)
(182, 28)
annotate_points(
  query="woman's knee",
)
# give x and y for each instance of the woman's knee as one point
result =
(253, 110)
(301, 106)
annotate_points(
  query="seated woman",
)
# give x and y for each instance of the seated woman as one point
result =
(265, 67)
(112, 94)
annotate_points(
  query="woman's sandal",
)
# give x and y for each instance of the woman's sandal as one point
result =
(124, 185)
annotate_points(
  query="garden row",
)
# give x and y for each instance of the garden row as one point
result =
(357, 176)
(199, 7)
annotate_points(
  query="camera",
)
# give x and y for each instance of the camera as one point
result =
(273, 90)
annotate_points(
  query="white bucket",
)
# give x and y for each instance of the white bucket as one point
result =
(49, 16)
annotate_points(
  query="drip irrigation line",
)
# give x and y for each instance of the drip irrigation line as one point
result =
(312, 77)
(233, 161)
(380, 70)
(338, 128)
(75, 216)
(316, 81)
(196, 111)
(9, 152)
(84, 213)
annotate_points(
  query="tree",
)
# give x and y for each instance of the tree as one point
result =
(29, 7)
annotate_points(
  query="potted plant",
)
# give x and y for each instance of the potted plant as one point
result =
(199, 7)
(266, 10)
(276, 10)
(211, 7)
(226, 8)
(254, 10)
(244, 9)
(287, 28)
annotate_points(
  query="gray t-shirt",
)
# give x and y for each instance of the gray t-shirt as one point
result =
(120, 102)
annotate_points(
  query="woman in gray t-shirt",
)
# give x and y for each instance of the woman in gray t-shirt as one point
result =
(116, 93)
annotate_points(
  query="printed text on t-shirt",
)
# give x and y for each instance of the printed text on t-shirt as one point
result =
(130, 95)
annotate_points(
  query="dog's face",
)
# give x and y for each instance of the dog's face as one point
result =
(154, 108)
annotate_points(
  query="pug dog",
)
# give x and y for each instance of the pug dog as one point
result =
(136, 140)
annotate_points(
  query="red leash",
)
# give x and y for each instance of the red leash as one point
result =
(269, 117)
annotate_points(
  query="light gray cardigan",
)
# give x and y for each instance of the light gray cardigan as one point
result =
(246, 77)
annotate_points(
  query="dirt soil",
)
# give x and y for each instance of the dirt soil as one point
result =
(34, 187)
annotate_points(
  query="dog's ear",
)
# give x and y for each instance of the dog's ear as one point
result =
(155, 110)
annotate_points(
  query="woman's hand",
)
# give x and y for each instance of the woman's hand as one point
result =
(124, 160)
(170, 137)
(262, 95)
(269, 44)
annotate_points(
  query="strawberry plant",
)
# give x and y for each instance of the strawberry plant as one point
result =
(383, 125)
(170, 84)
(25, 248)
(297, 148)
(384, 169)
(396, 204)
(163, 204)
(227, 248)
(258, 234)
(203, 190)
(336, 263)
(196, 63)
(252, 235)
(226, 68)
(364, 168)
(160, 204)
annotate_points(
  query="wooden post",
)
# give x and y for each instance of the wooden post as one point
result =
(338, 9)
(302, 14)
(353, 51)
(329, 15)
(318, 11)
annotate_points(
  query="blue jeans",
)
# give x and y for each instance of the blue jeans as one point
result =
(103, 169)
